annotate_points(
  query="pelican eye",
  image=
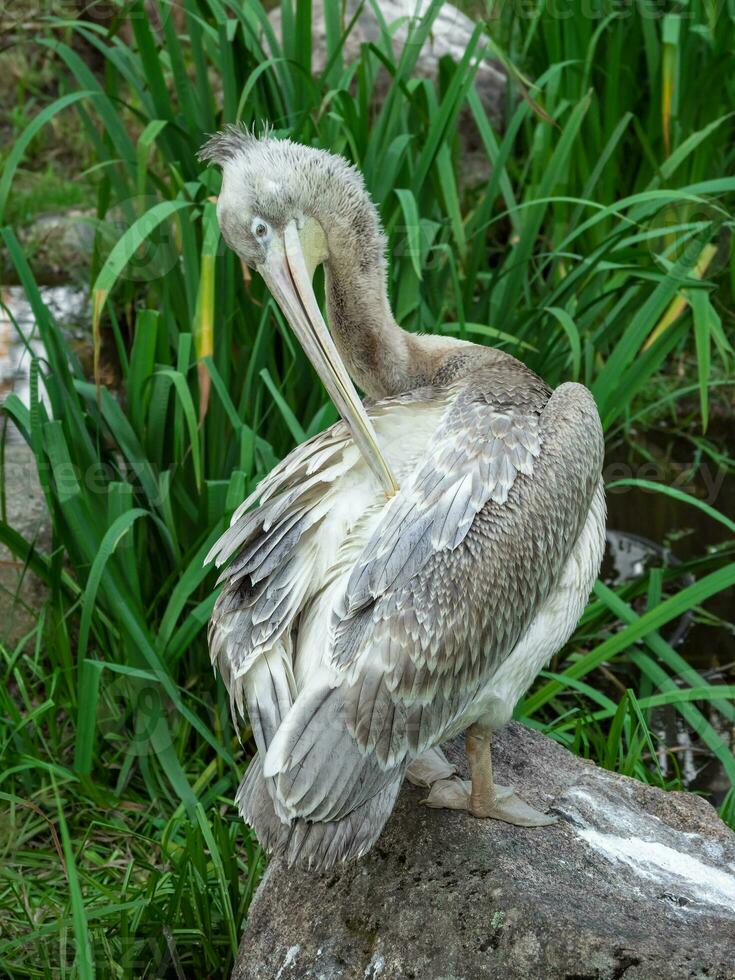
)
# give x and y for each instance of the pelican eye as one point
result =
(261, 229)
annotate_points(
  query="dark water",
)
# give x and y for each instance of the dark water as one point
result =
(677, 526)
(653, 530)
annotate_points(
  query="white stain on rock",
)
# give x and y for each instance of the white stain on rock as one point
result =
(291, 953)
(661, 863)
(657, 853)
(375, 967)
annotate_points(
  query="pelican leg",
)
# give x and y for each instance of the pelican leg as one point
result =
(480, 795)
(483, 797)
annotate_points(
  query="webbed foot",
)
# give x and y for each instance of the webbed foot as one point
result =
(502, 803)
(429, 767)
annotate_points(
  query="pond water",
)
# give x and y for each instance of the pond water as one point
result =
(684, 532)
(646, 523)
(646, 527)
(19, 340)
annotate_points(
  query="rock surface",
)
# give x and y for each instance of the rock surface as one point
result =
(450, 35)
(58, 248)
(21, 593)
(631, 882)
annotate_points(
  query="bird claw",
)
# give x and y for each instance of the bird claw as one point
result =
(456, 794)
(516, 811)
(451, 794)
(430, 767)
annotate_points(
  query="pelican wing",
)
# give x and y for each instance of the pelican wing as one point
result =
(462, 561)
(275, 555)
(478, 452)
(442, 592)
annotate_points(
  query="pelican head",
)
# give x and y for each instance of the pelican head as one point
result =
(284, 209)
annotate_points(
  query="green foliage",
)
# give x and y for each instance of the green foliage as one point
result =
(595, 250)
(37, 193)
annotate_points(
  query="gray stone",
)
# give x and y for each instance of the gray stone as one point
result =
(58, 248)
(630, 882)
(21, 593)
(450, 35)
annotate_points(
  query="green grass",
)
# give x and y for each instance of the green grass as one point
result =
(597, 250)
(50, 177)
(47, 191)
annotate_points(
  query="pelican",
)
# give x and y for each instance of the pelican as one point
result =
(407, 572)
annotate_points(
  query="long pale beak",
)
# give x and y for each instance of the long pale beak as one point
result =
(288, 279)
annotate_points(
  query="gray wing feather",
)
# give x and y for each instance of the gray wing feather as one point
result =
(268, 579)
(438, 597)
(479, 451)
(314, 844)
(423, 629)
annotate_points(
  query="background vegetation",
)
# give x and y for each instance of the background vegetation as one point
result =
(597, 250)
